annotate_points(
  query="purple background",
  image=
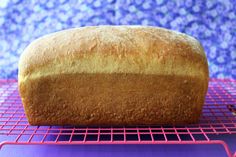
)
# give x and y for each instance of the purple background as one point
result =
(213, 22)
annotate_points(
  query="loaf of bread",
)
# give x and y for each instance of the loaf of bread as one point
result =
(113, 75)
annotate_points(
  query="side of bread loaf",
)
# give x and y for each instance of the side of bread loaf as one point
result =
(113, 75)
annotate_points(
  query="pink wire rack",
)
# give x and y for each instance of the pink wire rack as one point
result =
(219, 117)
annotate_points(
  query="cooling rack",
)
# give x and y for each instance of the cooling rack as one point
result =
(218, 118)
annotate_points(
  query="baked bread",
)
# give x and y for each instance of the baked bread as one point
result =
(113, 75)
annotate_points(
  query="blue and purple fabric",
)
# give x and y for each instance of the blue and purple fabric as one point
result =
(211, 22)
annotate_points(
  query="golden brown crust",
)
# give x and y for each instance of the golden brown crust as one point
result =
(113, 99)
(113, 75)
(110, 49)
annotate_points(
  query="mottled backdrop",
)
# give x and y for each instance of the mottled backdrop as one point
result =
(213, 22)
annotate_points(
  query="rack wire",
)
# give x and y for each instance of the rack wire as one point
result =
(219, 117)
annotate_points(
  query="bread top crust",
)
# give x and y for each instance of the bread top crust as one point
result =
(114, 49)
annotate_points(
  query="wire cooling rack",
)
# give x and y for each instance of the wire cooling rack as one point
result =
(219, 117)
